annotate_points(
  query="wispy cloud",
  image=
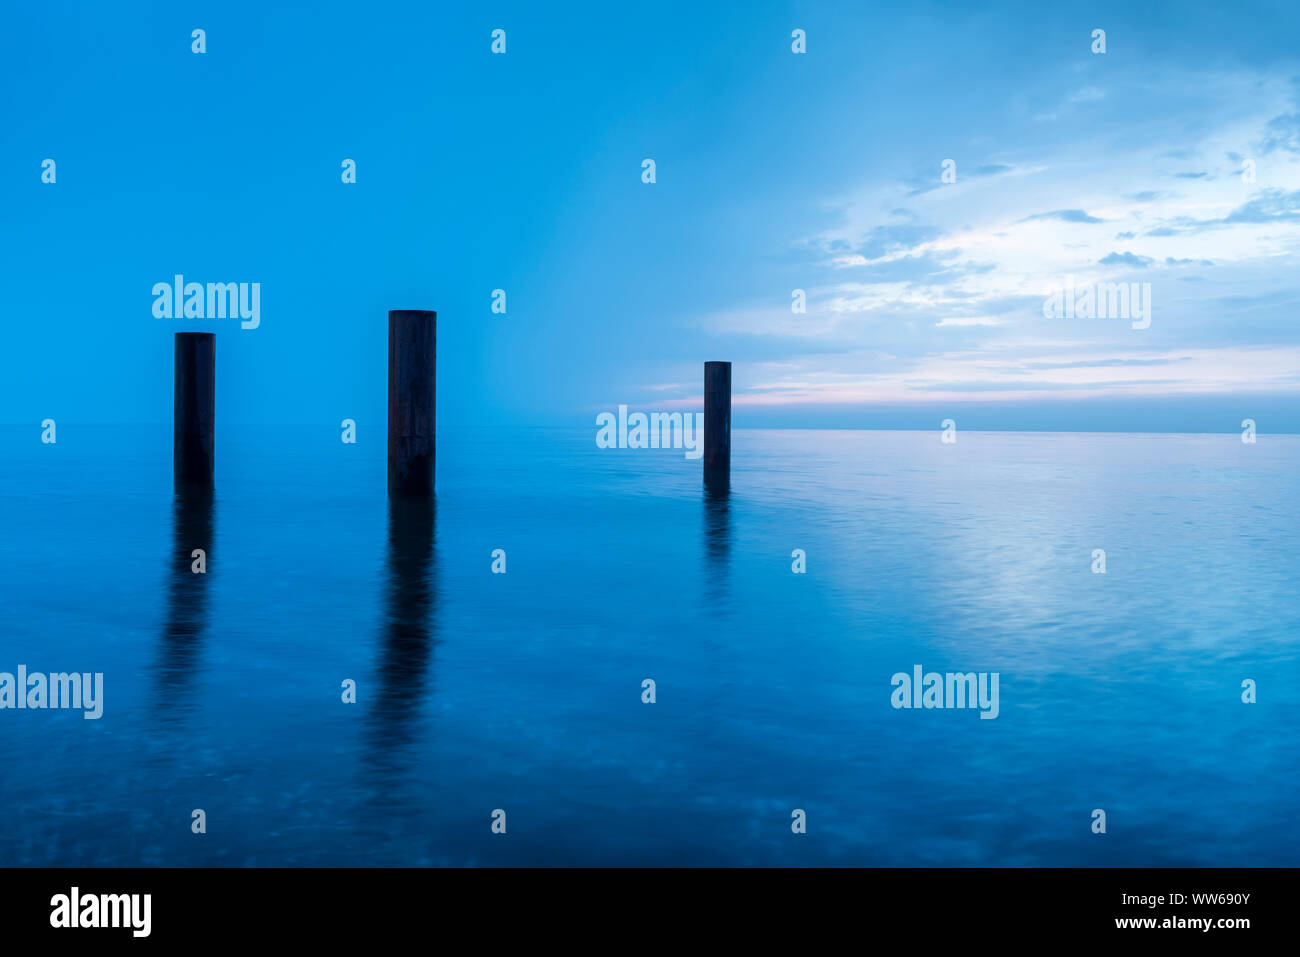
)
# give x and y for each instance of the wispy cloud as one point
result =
(1126, 259)
(924, 289)
(1065, 216)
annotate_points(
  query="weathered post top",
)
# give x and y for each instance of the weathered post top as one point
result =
(194, 408)
(717, 425)
(412, 364)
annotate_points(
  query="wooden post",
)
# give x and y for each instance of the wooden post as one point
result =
(717, 425)
(194, 403)
(412, 352)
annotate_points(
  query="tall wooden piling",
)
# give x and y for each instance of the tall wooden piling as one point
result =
(194, 405)
(412, 352)
(717, 425)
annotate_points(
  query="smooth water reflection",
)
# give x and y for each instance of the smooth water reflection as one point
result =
(410, 627)
(193, 526)
(522, 691)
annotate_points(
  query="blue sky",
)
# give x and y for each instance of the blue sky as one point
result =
(775, 172)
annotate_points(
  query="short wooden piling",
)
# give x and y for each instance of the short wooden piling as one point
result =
(412, 363)
(717, 425)
(194, 405)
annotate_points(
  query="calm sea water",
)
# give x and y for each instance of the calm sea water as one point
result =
(523, 691)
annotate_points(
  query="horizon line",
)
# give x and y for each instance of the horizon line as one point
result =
(167, 423)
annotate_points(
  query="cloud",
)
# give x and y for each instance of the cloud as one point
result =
(927, 180)
(883, 240)
(1126, 259)
(1089, 94)
(1065, 216)
(1001, 385)
(1266, 206)
(971, 321)
(1269, 206)
(1283, 133)
(1072, 368)
(1106, 363)
(941, 290)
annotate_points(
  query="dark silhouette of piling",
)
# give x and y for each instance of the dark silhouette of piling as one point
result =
(412, 351)
(717, 425)
(194, 407)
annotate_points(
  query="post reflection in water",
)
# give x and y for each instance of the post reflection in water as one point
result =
(717, 545)
(409, 627)
(193, 510)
